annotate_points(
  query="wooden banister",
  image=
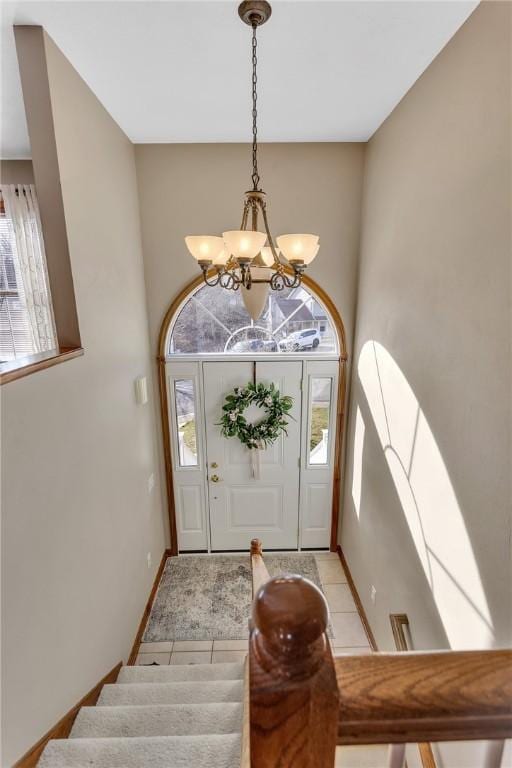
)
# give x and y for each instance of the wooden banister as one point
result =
(423, 697)
(302, 703)
(259, 576)
(259, 570)
(293, 692)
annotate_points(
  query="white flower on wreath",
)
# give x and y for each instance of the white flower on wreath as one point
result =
(233, 415)
(268, 400)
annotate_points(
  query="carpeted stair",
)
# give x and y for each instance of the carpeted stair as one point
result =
(186, 716)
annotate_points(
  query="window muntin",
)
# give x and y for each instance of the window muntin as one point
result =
(186, 422)
(215, 321)
(319, 418)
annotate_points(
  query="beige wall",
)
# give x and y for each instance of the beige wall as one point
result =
(427, 498)
(16, 172)
(198, 188)
(77, 451)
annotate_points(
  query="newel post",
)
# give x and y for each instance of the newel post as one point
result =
(256, 547)
(293, 689)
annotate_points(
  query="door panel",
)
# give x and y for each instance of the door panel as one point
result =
(189, 506)
(264, 505)
(241, 506)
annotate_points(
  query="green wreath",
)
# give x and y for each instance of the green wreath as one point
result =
(277, 406)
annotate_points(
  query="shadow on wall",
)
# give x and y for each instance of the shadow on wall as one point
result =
(426, 495)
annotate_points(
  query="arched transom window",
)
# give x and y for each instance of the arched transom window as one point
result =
(215, 321)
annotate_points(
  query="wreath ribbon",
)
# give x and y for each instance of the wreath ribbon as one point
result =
(256, 462)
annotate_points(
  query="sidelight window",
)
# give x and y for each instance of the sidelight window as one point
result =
(319, 418)
(185, 400)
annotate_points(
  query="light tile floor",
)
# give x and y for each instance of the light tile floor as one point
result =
(349, 634)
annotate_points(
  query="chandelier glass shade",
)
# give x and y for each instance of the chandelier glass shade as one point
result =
(248, 258)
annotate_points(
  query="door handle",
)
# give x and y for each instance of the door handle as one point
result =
(214, 478)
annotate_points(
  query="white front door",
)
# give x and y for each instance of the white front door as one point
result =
(243, 507)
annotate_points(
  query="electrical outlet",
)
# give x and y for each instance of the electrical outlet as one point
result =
(373, 594)
(149, 560)
(151, 482)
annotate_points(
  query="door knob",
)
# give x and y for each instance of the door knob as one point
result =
(215, 478)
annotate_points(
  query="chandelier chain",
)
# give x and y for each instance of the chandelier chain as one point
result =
(255, 174)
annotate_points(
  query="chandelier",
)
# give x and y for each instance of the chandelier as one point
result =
(248, 258)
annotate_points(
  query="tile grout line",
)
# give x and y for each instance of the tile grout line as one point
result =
(356, 610)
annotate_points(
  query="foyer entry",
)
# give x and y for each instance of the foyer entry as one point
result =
(209, 344)
(220, 501)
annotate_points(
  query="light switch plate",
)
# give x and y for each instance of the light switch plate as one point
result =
(141, 390)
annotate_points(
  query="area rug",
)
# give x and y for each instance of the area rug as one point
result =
(209, 597)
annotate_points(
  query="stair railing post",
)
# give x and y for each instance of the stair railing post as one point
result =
(294, 703)
(256, 547)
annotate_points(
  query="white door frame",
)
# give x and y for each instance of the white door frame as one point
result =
(193, 526)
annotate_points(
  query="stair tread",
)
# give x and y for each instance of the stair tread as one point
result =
(189, 692)
(181, 672)
(207, 751)
(158, 720)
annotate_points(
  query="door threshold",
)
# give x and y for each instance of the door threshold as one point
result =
(246, 551)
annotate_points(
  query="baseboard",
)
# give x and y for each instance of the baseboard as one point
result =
(357, 601)
(63, 728)
(147, 610)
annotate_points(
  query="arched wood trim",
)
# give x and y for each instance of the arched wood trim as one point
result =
(164, 405)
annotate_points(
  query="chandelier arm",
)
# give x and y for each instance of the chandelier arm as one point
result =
(212, 282)
(280, 280)
(245, 215)
(277, 282)
(229, 280)
(295, 282)
(277, 260)
(254, 207)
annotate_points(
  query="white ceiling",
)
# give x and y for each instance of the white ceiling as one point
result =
(180, 71)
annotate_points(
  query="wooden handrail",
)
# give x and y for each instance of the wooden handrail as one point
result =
(422, 697)
(258, 568)
(260, 576)
(293, 693)
(303, 703)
